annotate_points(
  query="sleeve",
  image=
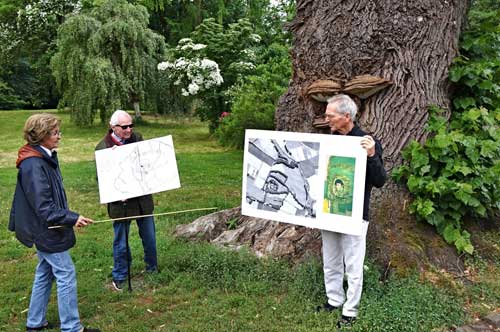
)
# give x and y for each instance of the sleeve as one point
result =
(376, 173)
(35, 182)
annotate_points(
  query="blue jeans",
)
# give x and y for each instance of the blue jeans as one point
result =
(147, 233)
(58, 266)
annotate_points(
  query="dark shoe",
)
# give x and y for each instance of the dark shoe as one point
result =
(46, 326)
(345, 321)
(326, 307)
(118, 285)
(86, 329)
(152, 270)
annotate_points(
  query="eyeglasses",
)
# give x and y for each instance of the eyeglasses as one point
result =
(56, 133)
(126, 126)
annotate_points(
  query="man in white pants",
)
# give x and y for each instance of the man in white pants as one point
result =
(344, 253)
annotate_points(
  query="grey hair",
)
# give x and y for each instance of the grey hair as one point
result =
(114, 118)
(344, 104)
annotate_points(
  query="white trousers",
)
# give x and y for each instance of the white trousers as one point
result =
(344, 254)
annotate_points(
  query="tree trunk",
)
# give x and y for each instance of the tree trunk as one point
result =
(412, 44)
(137, 109)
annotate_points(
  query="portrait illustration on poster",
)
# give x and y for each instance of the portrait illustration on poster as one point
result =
(339, 186)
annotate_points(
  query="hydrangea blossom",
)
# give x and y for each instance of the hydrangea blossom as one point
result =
(186, 44)
(243, 65)
(39, 14)
(255, 38)
(193, 75)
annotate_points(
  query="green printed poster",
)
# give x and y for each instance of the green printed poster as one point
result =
(339, 186)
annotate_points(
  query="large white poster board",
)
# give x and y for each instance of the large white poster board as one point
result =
(312, 180)
(136, 169)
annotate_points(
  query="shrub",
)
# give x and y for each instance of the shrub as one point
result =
(455, 173)
(255, 101)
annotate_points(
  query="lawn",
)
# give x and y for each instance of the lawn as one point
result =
(199, 287)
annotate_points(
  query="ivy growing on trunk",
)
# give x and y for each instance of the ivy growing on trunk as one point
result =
(456, 172)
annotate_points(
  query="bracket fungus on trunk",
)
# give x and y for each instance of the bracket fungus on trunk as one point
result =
(359, 87)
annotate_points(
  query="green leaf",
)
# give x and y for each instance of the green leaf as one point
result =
(464, 102)
(486, 85)
(424, 207)
(451, 234)
(463, 244)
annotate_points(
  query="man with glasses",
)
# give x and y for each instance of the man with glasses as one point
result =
(344, 254)
(121, 132)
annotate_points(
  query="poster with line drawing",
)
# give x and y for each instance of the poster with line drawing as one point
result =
(311, 180)
(136, 169)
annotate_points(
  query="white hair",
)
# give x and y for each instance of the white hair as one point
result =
(344, 104)
(116, 115)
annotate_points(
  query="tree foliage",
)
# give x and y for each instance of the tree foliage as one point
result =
(456, 173)
(176, 19)
(27, 42)
(255, 99)
(232, 50)
(105, 59)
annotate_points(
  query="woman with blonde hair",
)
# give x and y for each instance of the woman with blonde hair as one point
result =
(39, 202)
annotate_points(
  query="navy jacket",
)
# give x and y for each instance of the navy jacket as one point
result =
(375, 172)
(40, 201)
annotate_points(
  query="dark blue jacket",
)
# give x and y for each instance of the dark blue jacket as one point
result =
(40, 202)
(375, 172)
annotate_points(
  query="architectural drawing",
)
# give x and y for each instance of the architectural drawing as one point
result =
(137, 169)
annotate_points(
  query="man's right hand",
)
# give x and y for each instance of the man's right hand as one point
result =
(83, 221)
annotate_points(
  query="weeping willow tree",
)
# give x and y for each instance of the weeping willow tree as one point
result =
(106, 59)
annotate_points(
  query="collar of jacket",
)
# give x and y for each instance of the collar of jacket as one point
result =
(110, 143)
(355, 131)
(30, 151)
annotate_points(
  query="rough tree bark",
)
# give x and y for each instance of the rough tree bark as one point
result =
(410, 43)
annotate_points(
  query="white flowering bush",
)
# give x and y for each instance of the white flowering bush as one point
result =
(186, 44)
(197, 64)
(192, 75)
(43, 13)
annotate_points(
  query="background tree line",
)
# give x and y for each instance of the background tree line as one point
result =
(93, 56)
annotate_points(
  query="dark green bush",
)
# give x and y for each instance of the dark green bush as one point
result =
(255, 101)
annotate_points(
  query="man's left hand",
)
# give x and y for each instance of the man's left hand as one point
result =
(368, 143)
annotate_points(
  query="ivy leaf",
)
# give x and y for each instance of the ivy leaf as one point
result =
(456, 74)
(451, 234)
(424, 207)
(463, 244)
(464, 102)
(425, 169)
(486, 85)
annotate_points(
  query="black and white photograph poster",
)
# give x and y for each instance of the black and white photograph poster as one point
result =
(312, 180)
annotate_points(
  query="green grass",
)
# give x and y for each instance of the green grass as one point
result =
(200, 287)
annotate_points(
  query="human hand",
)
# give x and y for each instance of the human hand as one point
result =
(83, 221)
(368, 143)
